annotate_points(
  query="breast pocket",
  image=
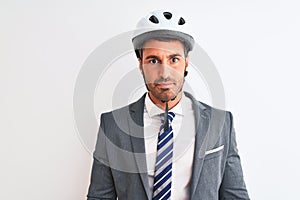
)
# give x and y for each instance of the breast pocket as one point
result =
(212, 169)
(215, 152)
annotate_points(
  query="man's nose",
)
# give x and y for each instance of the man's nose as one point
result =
(164, 70)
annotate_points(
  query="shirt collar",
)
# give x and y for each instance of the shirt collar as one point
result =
(153, 109)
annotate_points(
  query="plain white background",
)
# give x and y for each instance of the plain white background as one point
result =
(43, 44)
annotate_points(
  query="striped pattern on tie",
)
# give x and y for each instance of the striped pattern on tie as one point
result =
(163, 167)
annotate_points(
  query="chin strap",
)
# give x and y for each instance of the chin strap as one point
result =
(166, 123)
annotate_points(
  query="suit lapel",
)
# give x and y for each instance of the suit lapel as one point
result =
(202, 120)
(136, 129)
(209, 125)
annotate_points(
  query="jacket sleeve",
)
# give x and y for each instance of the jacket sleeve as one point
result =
(233, 185)
(101, 183)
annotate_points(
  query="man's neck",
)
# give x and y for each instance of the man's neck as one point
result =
(162, 105)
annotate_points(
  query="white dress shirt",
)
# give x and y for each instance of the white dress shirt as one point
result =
(184, 142)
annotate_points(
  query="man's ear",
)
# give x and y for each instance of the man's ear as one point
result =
(140, 65)
(186, 62)
(186, 66)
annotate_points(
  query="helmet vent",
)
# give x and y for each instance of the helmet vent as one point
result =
(154, 19)
(168, 15)
(181, 21)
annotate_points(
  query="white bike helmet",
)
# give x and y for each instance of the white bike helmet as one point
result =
(162, 24)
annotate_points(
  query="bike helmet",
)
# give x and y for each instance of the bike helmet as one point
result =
(162, 24)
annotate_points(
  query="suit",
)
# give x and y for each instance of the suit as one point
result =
(119, 167)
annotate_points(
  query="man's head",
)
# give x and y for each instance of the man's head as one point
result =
(162, 43)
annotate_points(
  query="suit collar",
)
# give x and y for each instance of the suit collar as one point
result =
(209, 125)
(136, 110)
(136, 127)
(202, 120)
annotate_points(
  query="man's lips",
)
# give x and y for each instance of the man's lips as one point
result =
(164, 84)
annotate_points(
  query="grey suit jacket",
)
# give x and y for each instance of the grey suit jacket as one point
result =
(119, 168)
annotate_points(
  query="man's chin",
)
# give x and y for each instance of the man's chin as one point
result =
(166, 97)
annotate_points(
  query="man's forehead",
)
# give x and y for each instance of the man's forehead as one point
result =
(171, 46)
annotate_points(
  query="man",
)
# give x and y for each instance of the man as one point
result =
(167, 145)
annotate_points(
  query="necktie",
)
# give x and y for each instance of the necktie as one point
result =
(163, 167)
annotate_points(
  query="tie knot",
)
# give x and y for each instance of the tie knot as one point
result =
(171, 116)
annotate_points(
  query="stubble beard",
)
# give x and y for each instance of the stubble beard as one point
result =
(165, 94)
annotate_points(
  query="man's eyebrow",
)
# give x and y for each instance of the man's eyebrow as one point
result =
(169, 56)
(152, 57)
(174, 55)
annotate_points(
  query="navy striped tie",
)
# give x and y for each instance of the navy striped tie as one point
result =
(163, 167)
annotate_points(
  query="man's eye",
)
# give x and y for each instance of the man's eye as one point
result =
(175, 60)
(153, 61)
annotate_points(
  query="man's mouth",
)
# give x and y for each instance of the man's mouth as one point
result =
(164, 84)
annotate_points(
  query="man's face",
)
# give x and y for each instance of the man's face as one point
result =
(163, 64)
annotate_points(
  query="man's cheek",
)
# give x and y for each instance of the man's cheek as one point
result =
(150, 79)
